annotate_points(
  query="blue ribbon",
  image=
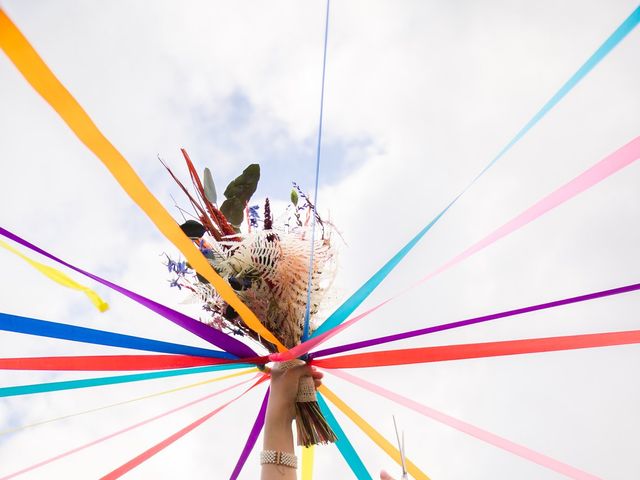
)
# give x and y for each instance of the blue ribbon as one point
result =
(353, 302)
(307, 313)
(43, 328)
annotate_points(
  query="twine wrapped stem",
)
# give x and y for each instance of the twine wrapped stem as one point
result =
(311, 425)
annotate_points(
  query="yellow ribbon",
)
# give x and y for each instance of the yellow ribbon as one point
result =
(42, 79)
(308, 454)
(373, 434)
(192, 385)
(61, 278)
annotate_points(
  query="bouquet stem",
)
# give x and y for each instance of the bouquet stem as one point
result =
(310, 422)
(311, 425)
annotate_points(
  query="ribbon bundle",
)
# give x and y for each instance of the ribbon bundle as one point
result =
(171, 359)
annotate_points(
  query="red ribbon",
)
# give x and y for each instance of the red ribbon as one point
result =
(117, 362)
(479, 350)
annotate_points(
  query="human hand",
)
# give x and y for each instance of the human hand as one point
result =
(284, 389)
(385, 476)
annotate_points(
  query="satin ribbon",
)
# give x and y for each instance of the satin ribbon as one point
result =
(471, 321)
(101, 381)
(59, 277)
(136, 399)
(205, 332)
(253, 437)
(619, 159)
(479, 350)
(343, 444)
(490, 438)
(43, 81)
(147, 454)
(111, 362)
(63, 331)
(308, 455)
(348, 307)
(128, 429)
(373, 434)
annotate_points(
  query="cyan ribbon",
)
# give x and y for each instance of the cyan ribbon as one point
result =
(353, 302)
(97, 382)
(344, 445)
(43, 328)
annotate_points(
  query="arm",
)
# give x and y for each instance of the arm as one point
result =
(278, 433)
(281, 410)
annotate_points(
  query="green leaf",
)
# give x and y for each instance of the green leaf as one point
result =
(245, 185)
(233, 210)
(209, 186)
(294, 197)
(238, 194)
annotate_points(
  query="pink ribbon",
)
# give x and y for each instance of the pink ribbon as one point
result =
(491, 438)
(127, 429)
(619, 159)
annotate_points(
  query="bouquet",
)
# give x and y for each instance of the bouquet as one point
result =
(266, 260)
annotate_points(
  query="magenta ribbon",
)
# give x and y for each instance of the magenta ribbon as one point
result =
(253, 437)
(200, 329)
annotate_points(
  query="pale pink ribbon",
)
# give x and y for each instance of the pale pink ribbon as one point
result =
(491, 438)
(124, 430)
(619, 159)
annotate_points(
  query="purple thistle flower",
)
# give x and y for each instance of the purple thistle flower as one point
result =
(254, 216)
(181, 268)
(207, 252)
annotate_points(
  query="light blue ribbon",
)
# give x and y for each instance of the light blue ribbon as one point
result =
(353, 302)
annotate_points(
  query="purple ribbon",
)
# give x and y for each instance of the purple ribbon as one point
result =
(253, 437)
(200, 329)
(471, 321)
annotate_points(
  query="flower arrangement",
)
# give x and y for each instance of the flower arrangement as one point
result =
(266, 260)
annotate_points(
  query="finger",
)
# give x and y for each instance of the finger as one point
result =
(300, 371)
(317, 383)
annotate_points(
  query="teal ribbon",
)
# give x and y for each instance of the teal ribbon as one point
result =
(344, 445)
(353, 302)
(97, 382)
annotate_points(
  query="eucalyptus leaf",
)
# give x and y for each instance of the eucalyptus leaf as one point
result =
(238, 193)
(233, 210)
(244, 185)
(209, 186)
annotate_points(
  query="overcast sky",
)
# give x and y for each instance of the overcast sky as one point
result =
(420, 95)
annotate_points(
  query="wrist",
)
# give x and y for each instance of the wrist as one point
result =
(280, 415)
(278, 434)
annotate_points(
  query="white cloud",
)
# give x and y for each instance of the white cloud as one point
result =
(420, 96)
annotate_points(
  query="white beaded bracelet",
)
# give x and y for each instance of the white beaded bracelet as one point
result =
(278, 458)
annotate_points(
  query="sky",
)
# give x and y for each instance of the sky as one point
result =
(420, 96)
